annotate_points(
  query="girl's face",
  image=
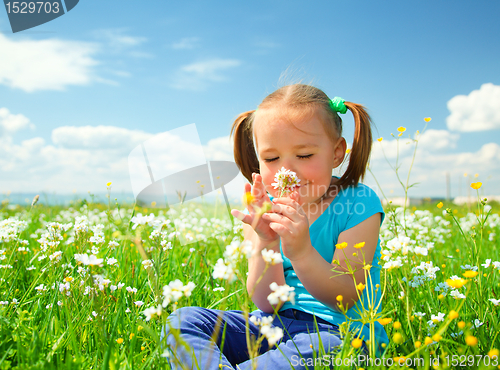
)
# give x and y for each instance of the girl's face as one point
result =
(299, 143)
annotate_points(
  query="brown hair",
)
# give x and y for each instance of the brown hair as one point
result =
(300, 97)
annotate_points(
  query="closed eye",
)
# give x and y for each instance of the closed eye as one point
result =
(299, 156)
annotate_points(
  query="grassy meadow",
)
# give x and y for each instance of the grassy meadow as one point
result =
(90, 285)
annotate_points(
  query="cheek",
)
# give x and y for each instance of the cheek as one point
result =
(267, 178)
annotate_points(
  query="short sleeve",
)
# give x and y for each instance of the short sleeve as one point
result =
(365, 203)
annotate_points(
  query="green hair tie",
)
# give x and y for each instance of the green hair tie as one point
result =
(337, 105)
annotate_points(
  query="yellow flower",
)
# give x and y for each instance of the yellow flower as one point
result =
(399, 360)
(248, 198)
(139, 328)
(380, 139)
(109, 183)
(367, 267)
(401, 129)
(494, 352)
(440, 205)
(470, 274)
(143, 348)
(428, 340)
(385, 320)
(436, 337)
(461, 325)
(457, 283)
(397, 338)
(427, 119)
(347, 151)
(418, 344)
(153, 204)
(396, 325)
(476, 175)
(119, 340)
(131, 335)
(440, 297)
(341, 245)
(476, 185)
(453, 314)
(69, 279)
(360, 287)
(471, 340)
(465, 174)
(356, 342)
(340, 298)
(359, 245)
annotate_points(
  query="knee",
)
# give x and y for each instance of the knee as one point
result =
(330, 342)
(183, 318)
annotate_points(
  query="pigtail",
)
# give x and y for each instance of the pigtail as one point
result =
(361, 146)
(244, 150)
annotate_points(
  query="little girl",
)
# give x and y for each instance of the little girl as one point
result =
(321, 228)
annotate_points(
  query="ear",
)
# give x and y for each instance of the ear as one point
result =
(339, 152)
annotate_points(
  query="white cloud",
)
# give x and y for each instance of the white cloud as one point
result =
(116, 38)
(437, 140)
(197, 76)
(51, 64)
(10, 123)
(433, 161)
(87, 157)
(186, 43)
(219, 149)
(478, 111)
(430, 140)
(98, 137)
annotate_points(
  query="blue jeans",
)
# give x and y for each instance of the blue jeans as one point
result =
(300, 341)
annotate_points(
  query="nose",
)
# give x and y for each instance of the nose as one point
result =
(290, 165)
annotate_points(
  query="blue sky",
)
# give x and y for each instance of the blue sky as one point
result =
(80, 92)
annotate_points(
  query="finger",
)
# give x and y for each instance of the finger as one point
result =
(260, 190)
(283, 209)
(248, 189)
(278, 228)
(242, 216)
(273, 218)
(295, 196)
(286, 214)
(286, 201)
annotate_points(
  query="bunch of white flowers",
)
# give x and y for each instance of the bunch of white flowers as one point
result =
(175, 290)
(11, 228)
(281, 293)
(139, 219)
(91, 260)
(272, 333)
(225, 268)
(286, 181)
(272, 257)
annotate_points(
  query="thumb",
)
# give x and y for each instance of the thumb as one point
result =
(295, 196)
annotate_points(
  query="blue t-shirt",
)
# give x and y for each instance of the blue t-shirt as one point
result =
(350, 207)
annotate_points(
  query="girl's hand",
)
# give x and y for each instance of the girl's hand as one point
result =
(290, 222)
(254, 218)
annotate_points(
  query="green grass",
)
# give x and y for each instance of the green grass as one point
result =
(93, 328)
